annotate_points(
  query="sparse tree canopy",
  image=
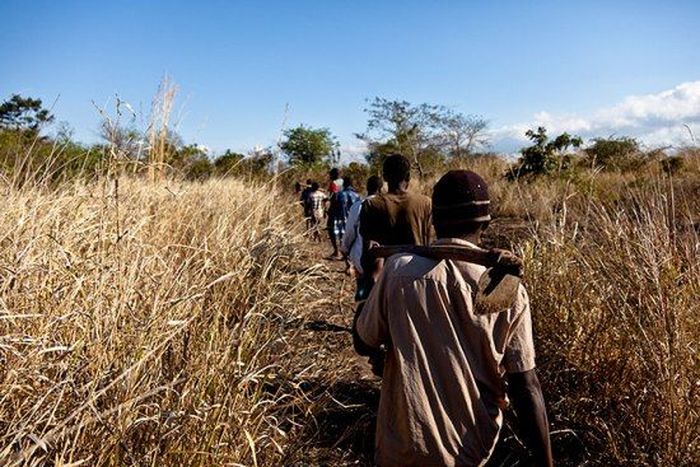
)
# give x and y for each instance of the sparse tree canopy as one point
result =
(308, 146)
(23, 113)
(461, 134)
(424, 133)
(545, 155)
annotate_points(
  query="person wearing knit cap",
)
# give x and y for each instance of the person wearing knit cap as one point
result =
(444, 380)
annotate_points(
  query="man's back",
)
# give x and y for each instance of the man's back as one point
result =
(396, 219)
(315, 202)
(344, 201)
(442, 390)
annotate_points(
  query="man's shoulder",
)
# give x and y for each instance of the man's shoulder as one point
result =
(413, 267)
(382, 200)
(421, 200)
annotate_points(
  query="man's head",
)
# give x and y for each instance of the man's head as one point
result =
(396, 170)
(334, 174)
(309, 182)
(460, 204)
(314, 186)
(347, 181)
(374, 185)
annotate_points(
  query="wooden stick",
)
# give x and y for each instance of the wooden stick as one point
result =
(494, 258)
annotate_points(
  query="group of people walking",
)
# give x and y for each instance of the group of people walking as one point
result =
(448, 370)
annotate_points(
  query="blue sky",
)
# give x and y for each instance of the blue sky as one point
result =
(593, 67)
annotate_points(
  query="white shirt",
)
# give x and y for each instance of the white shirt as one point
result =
(352, 240)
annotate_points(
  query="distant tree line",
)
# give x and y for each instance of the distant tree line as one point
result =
(433, 136)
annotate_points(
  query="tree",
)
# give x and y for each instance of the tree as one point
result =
(612, 153)
(424, 133)
(192, 160)
(308, 146)
(462, 134)
(228, 162)
(399, 126)
(545, 155)
(24, 114)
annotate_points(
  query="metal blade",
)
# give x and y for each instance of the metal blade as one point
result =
(496, 291)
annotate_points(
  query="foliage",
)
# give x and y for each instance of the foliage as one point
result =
(227, 163)
(461, 135)
(673, 165)
(23, 114)
(308, 146)
(426, 133)
(545, 155)
(612, 153)
(254, 166)
(359, 173)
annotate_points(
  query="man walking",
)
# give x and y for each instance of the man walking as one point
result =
(338, 210)
(397, 217)
(314, 205)
(335, 187)
(352, 240)
(444, 381)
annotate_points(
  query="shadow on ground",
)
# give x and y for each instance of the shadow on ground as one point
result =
(343, 432)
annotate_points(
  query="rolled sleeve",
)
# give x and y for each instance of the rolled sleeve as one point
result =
(520, 349)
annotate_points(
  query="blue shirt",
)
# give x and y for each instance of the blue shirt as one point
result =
(343, 201)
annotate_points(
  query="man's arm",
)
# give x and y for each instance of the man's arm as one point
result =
(371, 266)
(526, 395)
(370, 327)
(350, 229)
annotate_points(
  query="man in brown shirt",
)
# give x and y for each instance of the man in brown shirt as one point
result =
(444, 380)
(397, 217)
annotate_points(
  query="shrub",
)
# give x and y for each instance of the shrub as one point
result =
(612, 153)
(545, 155)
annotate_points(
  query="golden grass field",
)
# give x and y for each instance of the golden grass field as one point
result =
(187, 323)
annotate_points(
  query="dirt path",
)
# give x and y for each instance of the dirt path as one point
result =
(343, 390)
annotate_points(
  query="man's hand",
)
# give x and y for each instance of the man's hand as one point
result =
(507, 260)
(526, 394)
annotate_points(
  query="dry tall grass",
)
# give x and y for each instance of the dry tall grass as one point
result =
(618, 319)
(141, 328)
(158, 325)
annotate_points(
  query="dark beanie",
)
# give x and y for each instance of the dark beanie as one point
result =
(460, 197)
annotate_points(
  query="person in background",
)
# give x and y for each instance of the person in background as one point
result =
(335, 186)
(397, 217)
(340, 206)
(352, 240)
(315, 206)
(336, 183)
(444, 380)
(303, 198)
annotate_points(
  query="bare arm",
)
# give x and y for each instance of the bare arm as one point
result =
(372, 266)
(525, 392)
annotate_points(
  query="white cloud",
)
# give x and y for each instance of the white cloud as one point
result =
(660, 119)
(353, 152)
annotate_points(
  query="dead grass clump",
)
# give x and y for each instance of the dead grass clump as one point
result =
(142, 328)
(616, 314)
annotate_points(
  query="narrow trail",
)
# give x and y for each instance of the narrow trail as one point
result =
(344, 391)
